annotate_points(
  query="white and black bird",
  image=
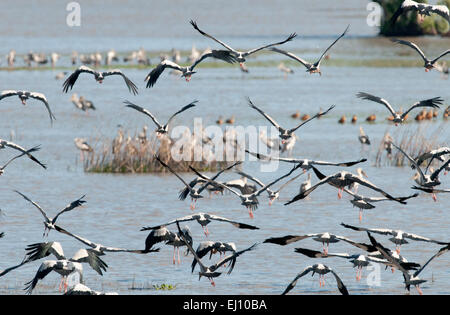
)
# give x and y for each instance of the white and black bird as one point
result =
(241, 55)
(409, 279)
(211, 271)
(311, 67)
(325, 238)
(25, 95)
(203, 219)
(286, 134)
(170, 238)
(340, 180)
(438, 154)
(273, 194)
(195, 193)
(81, 289)
(398, 119)
(212, 248)
(363, 138)
(2, 168)
(49, 223)
(321, 270)
(429, 64)
(99, 77)
(305, 164)
(12, 145)
(187, 71)
(365, 203)
(161, 129)
(423, 9)
(66, 267)
(250, 200)
(425, 180)
(398, 236)
(100, 249)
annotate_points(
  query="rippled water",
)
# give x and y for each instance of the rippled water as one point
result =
(119, 205)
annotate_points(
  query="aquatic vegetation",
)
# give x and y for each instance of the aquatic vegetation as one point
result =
(136, 154)
(414, 141)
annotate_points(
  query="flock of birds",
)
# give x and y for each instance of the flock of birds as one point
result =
(248, 189)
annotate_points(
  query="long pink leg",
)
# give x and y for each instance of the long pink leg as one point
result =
(178, 251)
(174, 255)
(360, 215)
(434, 197)
(250, 213)
(419, 290)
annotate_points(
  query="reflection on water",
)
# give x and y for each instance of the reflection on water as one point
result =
(119, 205)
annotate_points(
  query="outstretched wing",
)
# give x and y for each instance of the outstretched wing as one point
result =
(270, 119)
(131, 86)
(194, 24)
(74, 204)
(19, 148)
(224, 55)
(36, 205)
(8, 93)
(231, 257)
(42, 98)
(92, 258)
(192, 104)
(45, 268)
(291, 37)
(236, 224)
(317, 64)
(291, 55)
(294, 282)
(69, 83)
(288, 239)
(432, 102)
(144, 111)
(341, 287)
(442, 10)
(308, 120)
(366, 96)
(412, 45)
(153, 76)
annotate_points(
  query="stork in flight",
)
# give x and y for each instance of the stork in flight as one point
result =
(49, 223)
(340, 180)
(321, 270)
(286, 134)
(423, 9)
(241, 55)
(99, 77)
(187, 71)
(249, 200)
(429, 64)
(34, 149)
(161, 129)
(398, 236)
(203, 219)
(193, 192)
(211, 271)
(25, 95)
(305, 164)
(311, 67)
(398, 119)
(409, 279)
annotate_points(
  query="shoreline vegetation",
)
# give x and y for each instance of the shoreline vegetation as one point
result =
(413, 141)
(409, 23)
(333, 62)
(127, 154)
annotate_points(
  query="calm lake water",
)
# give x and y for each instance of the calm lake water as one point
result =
(119, 205)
